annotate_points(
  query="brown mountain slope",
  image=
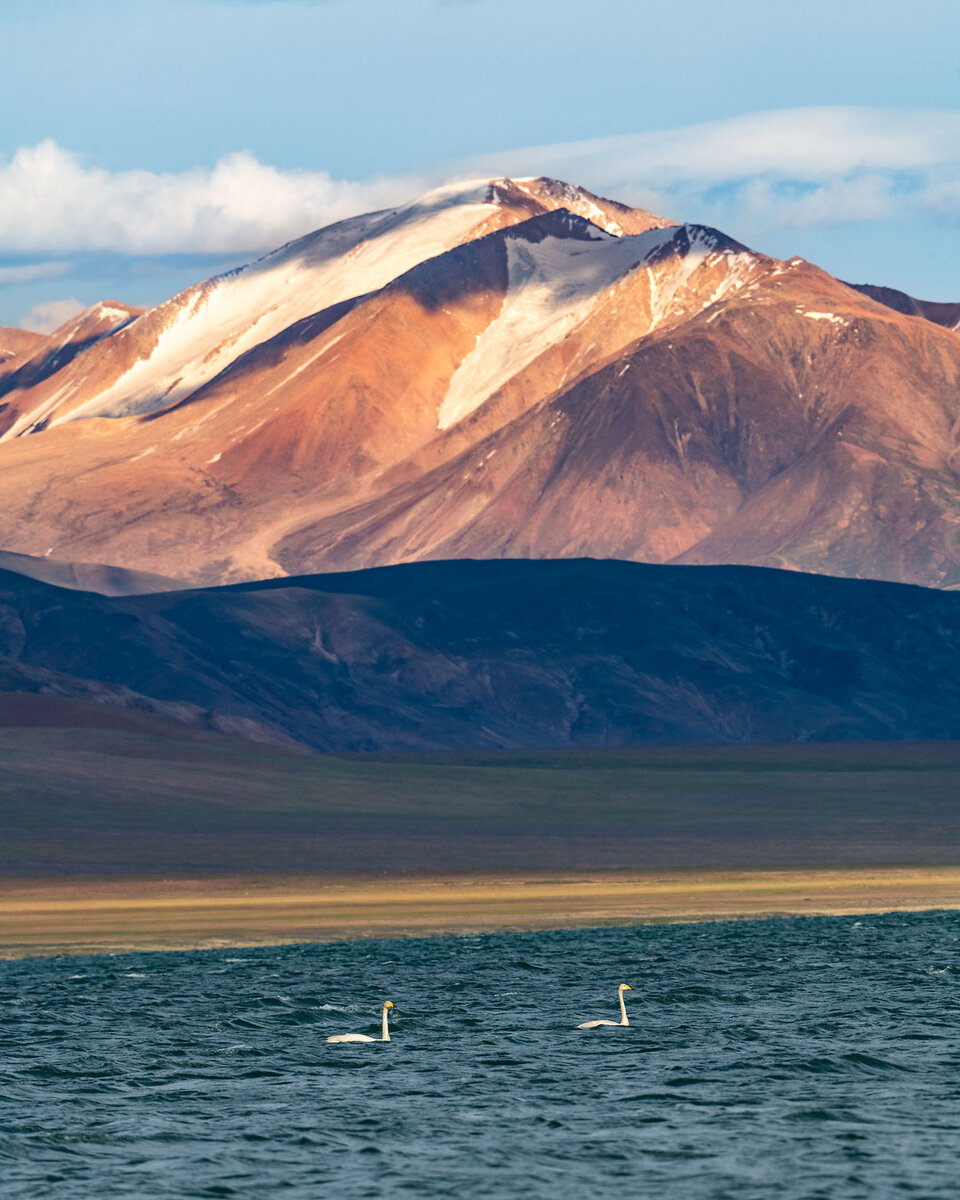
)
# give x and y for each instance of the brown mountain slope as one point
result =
(14, 342)
(45, 355)
(947, 315)
(509, 368)
(794, 424)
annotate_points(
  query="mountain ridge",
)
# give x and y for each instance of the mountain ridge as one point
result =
(503, 653)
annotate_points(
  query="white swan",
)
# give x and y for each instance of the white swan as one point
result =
(624, 1020)
(362, 1037)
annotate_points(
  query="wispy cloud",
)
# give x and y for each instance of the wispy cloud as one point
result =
(788, 168)
(31, 272)
(50, 315)
(51, 201)
(798, 141)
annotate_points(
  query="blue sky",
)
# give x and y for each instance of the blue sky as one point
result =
(148, 144)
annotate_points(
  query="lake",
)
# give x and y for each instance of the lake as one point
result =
(796, 1058)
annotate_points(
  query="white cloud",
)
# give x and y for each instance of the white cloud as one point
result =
(50, 201)
(31, 272)
(779, 169)
(50, 315)
(774, 170)
(797, 142)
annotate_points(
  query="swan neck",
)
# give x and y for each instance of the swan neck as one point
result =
(386, 1029)
(624, 1019)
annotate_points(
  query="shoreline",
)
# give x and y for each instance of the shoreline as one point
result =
(47, 918)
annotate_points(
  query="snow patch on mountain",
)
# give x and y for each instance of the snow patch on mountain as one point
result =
(207, 327)
(555, 284)
(39, 418)
(552, 286)
(704, 247)
(577, 200)
(823, 316)
(109, 312)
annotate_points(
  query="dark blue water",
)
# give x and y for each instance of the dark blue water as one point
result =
(798, 1058)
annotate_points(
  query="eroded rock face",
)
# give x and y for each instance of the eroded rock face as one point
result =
(500, 369)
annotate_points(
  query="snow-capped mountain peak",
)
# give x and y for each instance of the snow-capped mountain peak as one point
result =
(499, 367)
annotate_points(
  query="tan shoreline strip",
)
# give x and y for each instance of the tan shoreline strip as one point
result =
(59, 917)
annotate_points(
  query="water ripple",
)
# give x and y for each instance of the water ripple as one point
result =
(796, 1059)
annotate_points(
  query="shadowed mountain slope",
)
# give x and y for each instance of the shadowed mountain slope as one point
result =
(504, 653)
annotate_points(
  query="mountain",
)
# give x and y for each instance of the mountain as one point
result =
(42, 355)
(17, 341)
(947, 315)
(510, 368)
(470, 654)
(88, 577)
(793, 424)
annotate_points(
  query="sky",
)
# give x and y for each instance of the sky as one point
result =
(147, 145)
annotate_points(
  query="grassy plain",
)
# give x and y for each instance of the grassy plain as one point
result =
(148, 836)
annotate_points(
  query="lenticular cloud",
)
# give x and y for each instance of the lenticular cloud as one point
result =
(51, 201)
(782, 169)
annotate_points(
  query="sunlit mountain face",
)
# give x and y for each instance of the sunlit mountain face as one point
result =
(500, 369)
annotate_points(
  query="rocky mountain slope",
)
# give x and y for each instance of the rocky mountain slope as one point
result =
(500, 654)
(514, 368)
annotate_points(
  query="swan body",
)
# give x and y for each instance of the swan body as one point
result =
(624, 1019)
(362, 1037)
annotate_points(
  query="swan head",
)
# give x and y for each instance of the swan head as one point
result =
(624, 987)
(388, 1004)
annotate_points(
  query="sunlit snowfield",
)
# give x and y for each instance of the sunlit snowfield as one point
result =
(797, 1058)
